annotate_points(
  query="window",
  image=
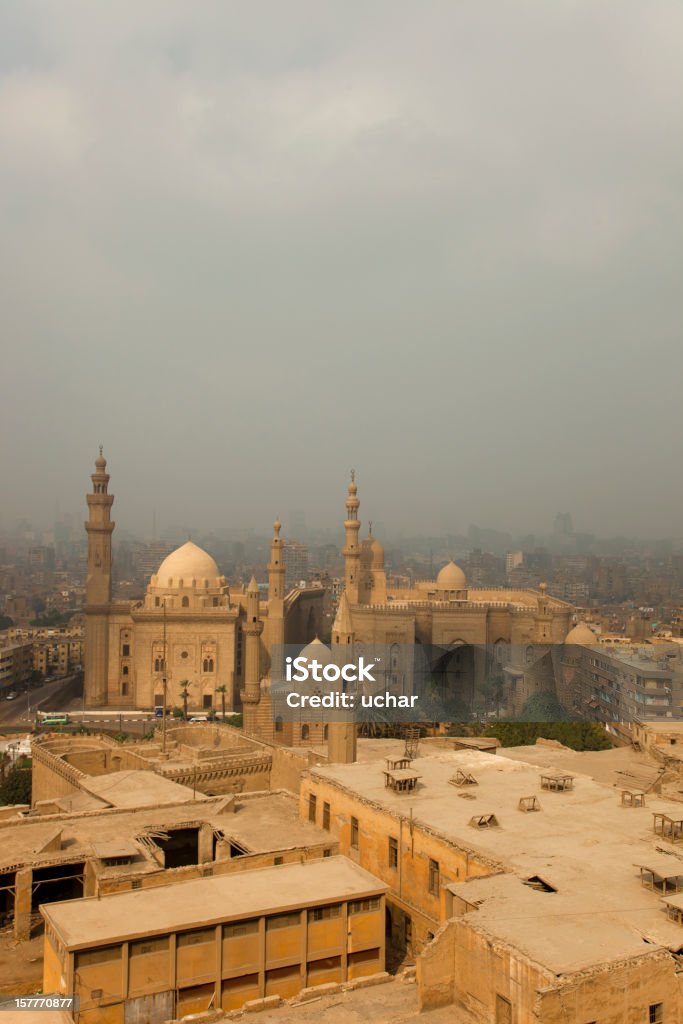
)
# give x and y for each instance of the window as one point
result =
(197, 937)
(98, 956)
(324, 913)
(207, 700)
(312, 807)
(364, 906)
(146, 946)
(327, 853)
(656, 1013)
(158, 664)
(125, 650)
(282, 921)
(393, 852)
(278, 724)
(354, 833)
(305, 732)
(278, 860)
(434, 877)
(239, 929)
(207, 665)
(186, 602)
(326, 816)
(124, 689)
(124, 670)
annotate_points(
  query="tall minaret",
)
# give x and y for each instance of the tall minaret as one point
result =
(99, 528)
(276, 602)
(342, 735)
(351, 550)
(252, 629)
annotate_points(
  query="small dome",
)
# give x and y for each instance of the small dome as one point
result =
(451, 577)
(187, 563)
(317, 651)
(581, 634)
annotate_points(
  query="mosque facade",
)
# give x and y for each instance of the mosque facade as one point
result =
(191, 632)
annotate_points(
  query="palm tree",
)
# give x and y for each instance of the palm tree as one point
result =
(184, 695)
(222, 690)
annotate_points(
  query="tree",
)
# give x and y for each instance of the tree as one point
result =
(222, 690)
(16, 787)
(185, 695)
(543, 707)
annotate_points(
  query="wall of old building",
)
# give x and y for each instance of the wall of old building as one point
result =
(409, 881)
(617, 993)
(289, 765)
(465, 966)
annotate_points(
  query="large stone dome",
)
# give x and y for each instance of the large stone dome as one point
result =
(451, 577)
(187, 563)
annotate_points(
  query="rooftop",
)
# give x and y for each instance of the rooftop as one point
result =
(208, 901)
(582, 842)
(259, 823)
(137, 788)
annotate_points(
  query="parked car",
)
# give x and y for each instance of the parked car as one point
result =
(11, 695)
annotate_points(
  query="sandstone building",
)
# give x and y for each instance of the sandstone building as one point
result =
(215, 942)
(191, 628)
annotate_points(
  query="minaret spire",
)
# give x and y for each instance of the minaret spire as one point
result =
(351, 550)
(99, 529)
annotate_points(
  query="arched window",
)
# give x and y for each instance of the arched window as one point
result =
(124, 670)
(305, 732)
(278, 724)
(207, 665)
(186, 602)
(158, 664)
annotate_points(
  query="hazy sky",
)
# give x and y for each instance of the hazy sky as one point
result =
(247, 246)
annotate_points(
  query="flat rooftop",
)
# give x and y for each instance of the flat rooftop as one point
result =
(260, 823)
(137, 788)
(582, 842)
(205, 902)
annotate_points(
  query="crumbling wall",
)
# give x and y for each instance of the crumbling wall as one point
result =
(434, 970)
(620, 993)
(289, 763)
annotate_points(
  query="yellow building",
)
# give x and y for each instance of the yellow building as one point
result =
(214, 942)
(191, 627)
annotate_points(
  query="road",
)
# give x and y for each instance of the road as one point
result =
(21, 711)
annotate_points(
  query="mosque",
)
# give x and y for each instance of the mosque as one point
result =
(194, 631)
(191, 631)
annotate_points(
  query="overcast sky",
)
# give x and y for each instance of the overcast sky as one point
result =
(247, 246)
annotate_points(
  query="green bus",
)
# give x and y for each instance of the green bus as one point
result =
(54, 718)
